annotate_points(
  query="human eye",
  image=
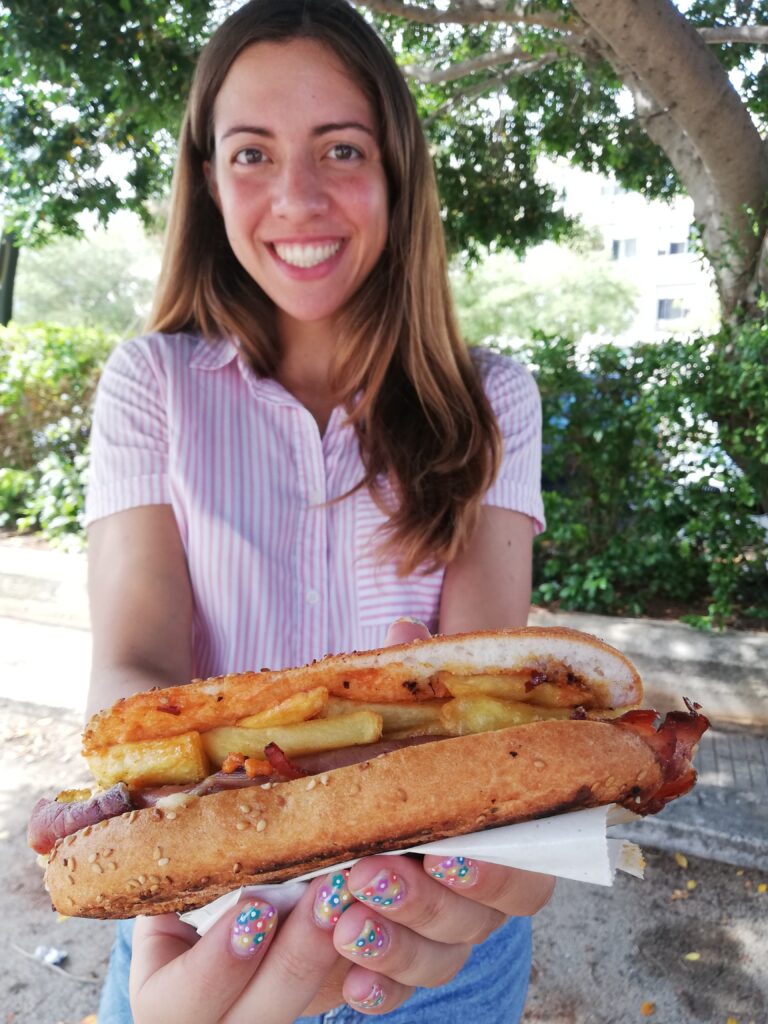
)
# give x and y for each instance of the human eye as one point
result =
(249, 155)
(345, 152)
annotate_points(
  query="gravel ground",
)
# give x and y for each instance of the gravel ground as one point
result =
(688, 945)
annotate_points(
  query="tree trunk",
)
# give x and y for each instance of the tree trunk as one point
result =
(9, 258)
(687, 104)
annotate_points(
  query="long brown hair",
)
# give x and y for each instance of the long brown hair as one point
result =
(400, 368)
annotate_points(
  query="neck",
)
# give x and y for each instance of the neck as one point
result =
(305, 364)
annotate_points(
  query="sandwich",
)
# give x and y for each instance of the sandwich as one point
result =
(260, 777)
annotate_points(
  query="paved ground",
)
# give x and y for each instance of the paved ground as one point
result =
(687, 945)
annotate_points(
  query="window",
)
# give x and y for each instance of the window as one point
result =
(623, 248)
(670, 309)
(673, 249)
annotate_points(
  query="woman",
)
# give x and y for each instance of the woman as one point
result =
(300, 452)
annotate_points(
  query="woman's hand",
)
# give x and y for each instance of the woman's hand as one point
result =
(244, 969)
(406, 923)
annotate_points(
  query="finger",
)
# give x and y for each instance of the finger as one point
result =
(400, 890)
(514, 892)
(301, 958)
(205, 974)
(402, 631)
(373, 993)
(395, 951)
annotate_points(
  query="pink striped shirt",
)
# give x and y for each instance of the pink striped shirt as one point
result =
(280, 577)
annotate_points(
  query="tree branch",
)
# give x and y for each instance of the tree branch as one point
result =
(490, 84)
(755, 34)
(476, 15)
(432, 76)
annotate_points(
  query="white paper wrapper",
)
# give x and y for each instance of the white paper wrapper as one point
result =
(574, 845)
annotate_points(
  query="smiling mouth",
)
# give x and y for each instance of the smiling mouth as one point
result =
(306, 255)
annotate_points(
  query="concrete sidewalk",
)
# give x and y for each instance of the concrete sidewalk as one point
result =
(44, 625)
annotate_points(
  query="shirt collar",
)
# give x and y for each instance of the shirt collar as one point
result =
(213, 355)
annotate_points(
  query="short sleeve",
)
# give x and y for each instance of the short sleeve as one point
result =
(129, 434)
(514, 397)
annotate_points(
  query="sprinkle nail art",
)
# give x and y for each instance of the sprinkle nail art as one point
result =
(374, 998)
(371, 941)
(455, 871)
(252, 926)
(385, 890)
(332, 899)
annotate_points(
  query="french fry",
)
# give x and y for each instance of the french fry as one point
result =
(294, 740)
(466, 715)
(397, 717)
(297, 708)
(173, 761)
(562, 692)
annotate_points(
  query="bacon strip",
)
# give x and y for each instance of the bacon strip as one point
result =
(673, 739)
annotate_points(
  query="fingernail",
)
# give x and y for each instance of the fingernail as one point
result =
(409, 618)
(459, 871)
(332, 899)
(384, 890)
(374, 998)
(372, 940)
(252, 925)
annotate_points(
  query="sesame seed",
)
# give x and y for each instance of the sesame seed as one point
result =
(170, 815)
(157, 854)
(132, 816)
(92, 857)
(154, 879)
(142, 879)
(163, 861)
(111, 865)
(71, 879)
(97, 868)
(311, 784)
(244, 809)
(324, 779)
(236, 869)
(261, 825)
(266, 785)
(241, 826)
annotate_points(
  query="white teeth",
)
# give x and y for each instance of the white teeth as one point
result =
(306, 255)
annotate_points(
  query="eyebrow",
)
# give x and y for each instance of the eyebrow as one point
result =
(321, 129)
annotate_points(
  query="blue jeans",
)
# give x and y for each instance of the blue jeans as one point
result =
(491, 987)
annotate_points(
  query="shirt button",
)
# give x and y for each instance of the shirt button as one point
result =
(312, 597)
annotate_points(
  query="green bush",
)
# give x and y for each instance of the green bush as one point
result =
(655, 465)
(48, 375)
(648, 506)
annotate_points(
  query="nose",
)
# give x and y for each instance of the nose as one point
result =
(298, 190)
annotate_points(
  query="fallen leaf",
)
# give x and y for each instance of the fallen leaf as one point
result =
(648, 1009)
(90, 1019)
(679, 894)
(682, 860)
(692, 956)
(740, 871)
(731, 1020)
(690, 884)
(763, 887)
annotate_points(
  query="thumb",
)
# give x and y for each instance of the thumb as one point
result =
(403, 630)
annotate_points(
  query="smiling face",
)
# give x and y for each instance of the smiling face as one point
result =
(298, 176)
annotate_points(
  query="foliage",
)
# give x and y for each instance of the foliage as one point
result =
(104, 280)
(646, 508)
(86, 94)
(554, 291)
(47, 378)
